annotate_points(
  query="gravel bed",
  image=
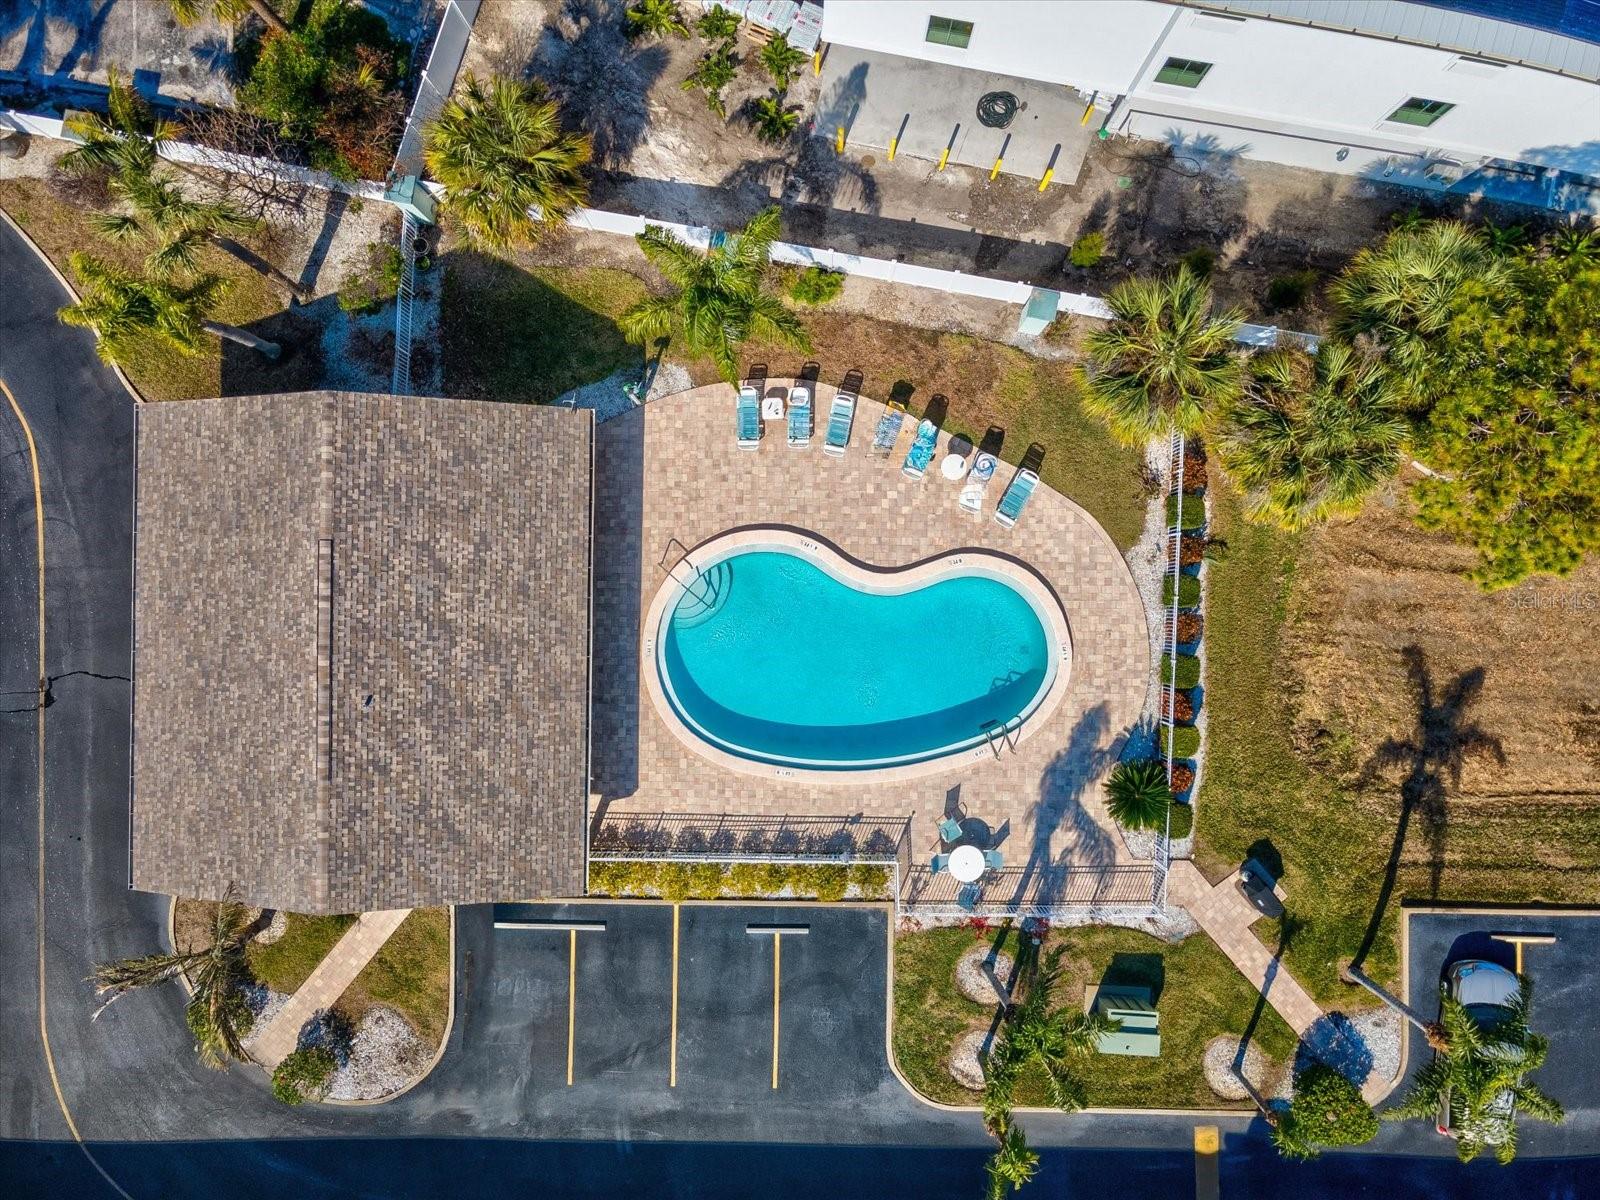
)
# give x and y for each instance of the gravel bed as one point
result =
(973, 979)
(384, 1056)
(265, 1004)
(1170, 925)
(1269, 1079)
(965, 1063)
(609, 400)
(1366, 1046)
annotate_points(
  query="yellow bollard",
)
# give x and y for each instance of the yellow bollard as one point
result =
(816, 64)
(1088, 112)
(893, 142)
(838, 141)
(996, 170)
(1049, 172)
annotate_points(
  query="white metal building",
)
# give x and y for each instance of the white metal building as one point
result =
(1498, 97)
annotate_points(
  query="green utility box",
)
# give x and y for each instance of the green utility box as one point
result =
(1039, 311)
(1140, 1034)
(409, 196)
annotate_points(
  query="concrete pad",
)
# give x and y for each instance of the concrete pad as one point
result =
(931, 106)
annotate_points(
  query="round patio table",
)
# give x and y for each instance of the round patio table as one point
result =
(953, 467)
(966, 863)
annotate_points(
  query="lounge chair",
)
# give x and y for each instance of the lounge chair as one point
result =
(993, 860)
(889, 428)
(977, 482)
(749, 418)
(949, 830)
(921, 452)
(939, 863)
(800, 422)
(840, 416)
(1016, 497)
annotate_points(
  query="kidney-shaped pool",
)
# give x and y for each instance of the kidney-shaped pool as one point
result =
(769, 650)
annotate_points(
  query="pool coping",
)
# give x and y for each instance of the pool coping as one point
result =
(838, 562)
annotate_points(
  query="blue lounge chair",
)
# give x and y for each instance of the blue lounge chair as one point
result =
(749, 418)
(939, 863)
(841, 416)
(993, 860)
(800, 421)
(889, 428)
(967, 899)
(921, 452)
(949, 830)
(1016, 497)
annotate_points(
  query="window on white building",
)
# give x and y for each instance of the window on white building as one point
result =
(1417, 111)
(1182, 72)
(944, 31)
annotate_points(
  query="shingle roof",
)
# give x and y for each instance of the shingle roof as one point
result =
(448, 543)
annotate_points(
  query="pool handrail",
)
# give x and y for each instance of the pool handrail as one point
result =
(922, 448)
(841, 417)
(749, 418)
(1015, 497)
(800, 417)
(983, 468)
(888, 432)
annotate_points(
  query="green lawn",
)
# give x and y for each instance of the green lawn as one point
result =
(411, 974)
(1198, 991)
(284, 964)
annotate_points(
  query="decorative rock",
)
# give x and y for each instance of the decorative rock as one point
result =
(385, 1055)
(274, 929)
(972, 975)
(1268, 1078)
(966, 1062)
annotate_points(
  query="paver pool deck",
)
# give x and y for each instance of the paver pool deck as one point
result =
(669, 476)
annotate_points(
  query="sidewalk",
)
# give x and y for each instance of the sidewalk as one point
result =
(326, 983)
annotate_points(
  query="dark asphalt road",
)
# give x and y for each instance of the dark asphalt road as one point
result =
(486, 1122)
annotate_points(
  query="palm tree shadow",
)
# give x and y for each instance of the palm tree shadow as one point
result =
(1432, 756)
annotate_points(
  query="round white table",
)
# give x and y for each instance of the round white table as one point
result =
(966, 863)
(953, 467)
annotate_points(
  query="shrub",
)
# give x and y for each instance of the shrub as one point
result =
(369, 290)
(1193, 515)
(657, 18)
(1185, 741)
(1182, 710)
(673, 881)
(714, 72)
(773, 118)
(608, 878)
(871, 881)
(1188, 674)
(1291, 290)
(1191, 552)
(774, 878)
(745, 879)
(1137, 795)
(1188, 591)
(641, 879)
(1327, 1110)
(1088, 250)
(1194, 474)
(705, 880)
(780, 60)
(1182, 778)
(304, 1075)
(815, 285)
(1182, 821)
(717, 25)
(1190, 627)
(1202, 260)
(830, 882)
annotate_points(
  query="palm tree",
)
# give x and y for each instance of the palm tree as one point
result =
(1399, 293)
(772, 119)
(127, 310)
(1477, 1065)
(656, 18)
(1012, 1164)
(781, 60)
(123, 142)
(190, 12)
(1312, 437)
(506, 164)
(712, 73)
(1137, 794)
(719, 298)
(1033, 1035)
(1166, 361)
(214, 974)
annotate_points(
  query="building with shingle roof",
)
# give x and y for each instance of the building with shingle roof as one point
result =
(361, 650)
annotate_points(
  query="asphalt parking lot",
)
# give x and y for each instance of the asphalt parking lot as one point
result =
(736, 1007)
(1566, 1005)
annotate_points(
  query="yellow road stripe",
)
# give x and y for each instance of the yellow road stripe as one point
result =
(1207, 1172)
(44, 1029)
(672, 1080)
(777, 975)
(572, 996)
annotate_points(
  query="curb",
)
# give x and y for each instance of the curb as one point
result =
(76, 299)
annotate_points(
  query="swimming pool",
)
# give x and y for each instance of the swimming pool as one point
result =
(775, 652)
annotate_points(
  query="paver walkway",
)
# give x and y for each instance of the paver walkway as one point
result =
(326, 983)
(1224, 913)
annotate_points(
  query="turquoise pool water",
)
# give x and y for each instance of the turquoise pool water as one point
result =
(772, 658)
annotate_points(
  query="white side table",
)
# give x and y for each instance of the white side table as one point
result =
(966, 864)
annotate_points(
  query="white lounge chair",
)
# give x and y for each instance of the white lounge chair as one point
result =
(841, 416)
(888, 432)
(921, 452)
(800, 417)
(749, 410)
(977, 482)
(1015, 498)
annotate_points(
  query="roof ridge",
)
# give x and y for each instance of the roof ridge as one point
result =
(327, 431)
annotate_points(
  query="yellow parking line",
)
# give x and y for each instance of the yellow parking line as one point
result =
(572, 996)
(1207, 1180)
(777, 975)
(672, 1080)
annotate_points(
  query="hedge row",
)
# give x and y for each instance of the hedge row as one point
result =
(1185, 741)
(1182, 820)
(1194, 512)
(1188, 672)
(708, 881)
(1188, 591)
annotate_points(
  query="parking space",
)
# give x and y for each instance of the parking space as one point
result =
(731, 1005)
(1565, 973)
